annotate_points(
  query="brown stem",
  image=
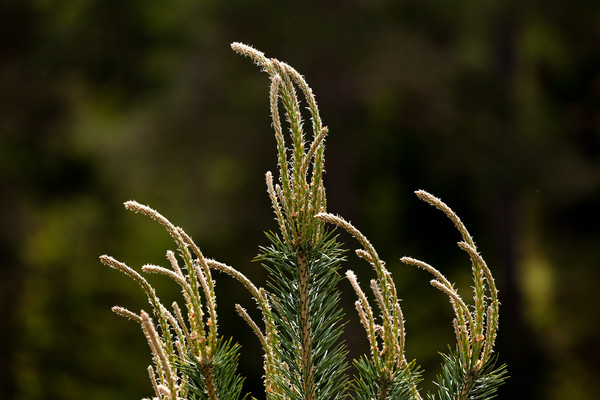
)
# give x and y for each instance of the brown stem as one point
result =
(305, 335)
(383, 390)
(208, 380)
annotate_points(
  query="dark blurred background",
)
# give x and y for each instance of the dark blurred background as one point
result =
(492, 106)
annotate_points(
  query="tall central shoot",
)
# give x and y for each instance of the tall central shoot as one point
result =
(303, 259)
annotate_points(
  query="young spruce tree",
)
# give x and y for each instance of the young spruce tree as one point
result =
(304, 356)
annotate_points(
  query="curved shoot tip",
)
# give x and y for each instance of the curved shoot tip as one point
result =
(257, 56)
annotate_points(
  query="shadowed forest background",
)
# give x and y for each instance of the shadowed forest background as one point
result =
(492, 106)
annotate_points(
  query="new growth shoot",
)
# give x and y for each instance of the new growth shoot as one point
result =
(300, 333)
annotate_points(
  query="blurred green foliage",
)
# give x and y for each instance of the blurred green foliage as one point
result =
(493, 106)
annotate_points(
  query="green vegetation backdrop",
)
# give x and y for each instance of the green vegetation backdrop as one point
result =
(493, 106)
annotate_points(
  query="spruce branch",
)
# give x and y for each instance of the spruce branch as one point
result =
(384, 290)
(304, 297)
(193, 346)
(194, 303)
(478, 278)
(298, 199)
(304, 356)
(305, 307)
(387, 366)
(470, 367)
